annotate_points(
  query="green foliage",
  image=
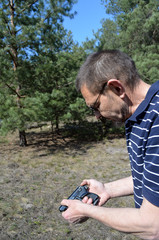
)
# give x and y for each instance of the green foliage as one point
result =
(138, 33)
(108, 35)
(85, 131)
(105, 38)
(39, 60)
(38, 66)
(92, 130)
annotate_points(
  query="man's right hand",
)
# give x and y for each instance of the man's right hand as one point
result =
(98, 188)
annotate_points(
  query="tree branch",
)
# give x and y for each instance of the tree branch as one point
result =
(13, 90)
(10, 55)
(28, 6)
(8, 2)
(18, 30)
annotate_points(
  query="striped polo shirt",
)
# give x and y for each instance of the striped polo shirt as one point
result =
(142, 135)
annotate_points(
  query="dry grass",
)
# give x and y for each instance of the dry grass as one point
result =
(34, 180)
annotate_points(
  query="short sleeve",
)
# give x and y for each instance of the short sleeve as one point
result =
(151, 165)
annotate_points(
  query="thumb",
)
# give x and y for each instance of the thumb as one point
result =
(85, 182)
(65, 202)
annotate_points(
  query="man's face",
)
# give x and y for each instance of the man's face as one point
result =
(109, 105)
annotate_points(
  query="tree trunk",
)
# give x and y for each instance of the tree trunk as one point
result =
(22, 139)
(14, 54)
(57, 123)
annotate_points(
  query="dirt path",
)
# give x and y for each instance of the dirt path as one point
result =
(34, 180)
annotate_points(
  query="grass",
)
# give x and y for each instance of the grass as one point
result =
(34, 180)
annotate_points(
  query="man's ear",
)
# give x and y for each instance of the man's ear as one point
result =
(117, 87)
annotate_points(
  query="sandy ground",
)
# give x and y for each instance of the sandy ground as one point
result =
(34, 180)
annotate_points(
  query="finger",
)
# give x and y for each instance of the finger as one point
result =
(90, 201)
(65, 215)
(85, 199)
(85, 182)
(65, 202)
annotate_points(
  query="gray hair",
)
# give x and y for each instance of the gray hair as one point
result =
(102, 66)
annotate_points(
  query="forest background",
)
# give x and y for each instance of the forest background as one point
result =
(41, 109)
(39, 59)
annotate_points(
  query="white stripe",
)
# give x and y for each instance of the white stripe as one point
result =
(154, 164)
(145, 129)
(137, 136)
(140, 173)
(156, 174)
(155, 126)
(150, 180)
(138, 164)
(140, 197)
(145, 120)
(154, 103)
(151, 146)
(154, 136)
(137, 203)
(130, 140)
(135, 178)
(153, 110)
(138, 156)
(152, 154)
(138, 187)
(151, 189)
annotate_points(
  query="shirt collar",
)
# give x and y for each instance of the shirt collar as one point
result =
(143, 105)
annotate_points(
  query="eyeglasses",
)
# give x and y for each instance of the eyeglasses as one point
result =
(96, 104)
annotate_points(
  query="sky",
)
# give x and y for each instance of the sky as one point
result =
(88, 17)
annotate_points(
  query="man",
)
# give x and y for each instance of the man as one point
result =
(111, 86)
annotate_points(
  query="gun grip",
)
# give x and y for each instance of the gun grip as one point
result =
(94, 197)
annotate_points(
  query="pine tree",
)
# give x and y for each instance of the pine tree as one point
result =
(59, 97)
(31, 32)
(107, 36)
(138, 24)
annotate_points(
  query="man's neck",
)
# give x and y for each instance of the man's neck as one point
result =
(138, 95)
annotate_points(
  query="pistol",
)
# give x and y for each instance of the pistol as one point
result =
(79, 194)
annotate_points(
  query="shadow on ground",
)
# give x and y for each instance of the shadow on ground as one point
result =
(34, 180)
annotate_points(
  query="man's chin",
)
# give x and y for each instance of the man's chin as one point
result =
(103, 119)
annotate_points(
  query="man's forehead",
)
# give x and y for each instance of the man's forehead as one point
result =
(87, 94)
